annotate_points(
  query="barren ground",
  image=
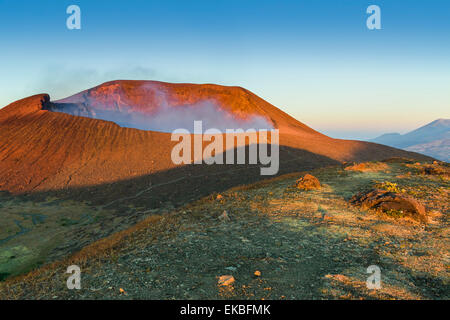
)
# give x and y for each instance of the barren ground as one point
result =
(306, 244)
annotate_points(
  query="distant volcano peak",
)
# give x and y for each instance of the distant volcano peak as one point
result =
(159, 106)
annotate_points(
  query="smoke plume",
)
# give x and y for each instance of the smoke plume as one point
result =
(163, 116)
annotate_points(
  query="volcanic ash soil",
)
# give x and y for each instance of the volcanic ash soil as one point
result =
(275, 242)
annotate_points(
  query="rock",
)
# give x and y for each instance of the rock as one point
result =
(122, 291)
(433, 170)
(387, 201)
(367, 167)
(308, 182)
(226, 280)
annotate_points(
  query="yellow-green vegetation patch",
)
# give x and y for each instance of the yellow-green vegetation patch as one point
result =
(396, 213)
(30, 230)
(14, 259)
(389, 186)
(295, 224)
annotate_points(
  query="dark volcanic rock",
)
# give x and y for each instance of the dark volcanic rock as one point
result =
(436, 169)
(387, 201)
(308, 182)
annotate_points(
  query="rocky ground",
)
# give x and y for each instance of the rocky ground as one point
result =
(273, 241)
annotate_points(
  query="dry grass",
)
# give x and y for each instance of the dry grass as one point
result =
(368, 167)
(350, 288)
(439, 170)
(96, 251)
(308, 234)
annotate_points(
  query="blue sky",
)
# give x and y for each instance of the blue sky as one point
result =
(314, 59)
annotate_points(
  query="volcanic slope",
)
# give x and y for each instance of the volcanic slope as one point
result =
(44, 150)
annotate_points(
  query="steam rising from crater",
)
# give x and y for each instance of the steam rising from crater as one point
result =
(113, 106)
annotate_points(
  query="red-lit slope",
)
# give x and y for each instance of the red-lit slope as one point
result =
(44, 150)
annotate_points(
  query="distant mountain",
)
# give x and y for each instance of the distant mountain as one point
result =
(439, 149)
(432, 139)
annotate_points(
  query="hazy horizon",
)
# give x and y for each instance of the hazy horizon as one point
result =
(323, 66)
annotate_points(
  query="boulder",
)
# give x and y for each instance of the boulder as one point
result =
(308, 182)
(226, 280)
(390, 201)
(434, 170)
